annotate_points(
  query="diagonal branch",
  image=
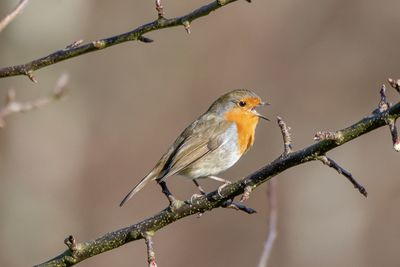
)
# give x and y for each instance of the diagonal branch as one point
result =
(331, 163)
(10, 17)
(135, 35)
(13, 106)
(214, 199)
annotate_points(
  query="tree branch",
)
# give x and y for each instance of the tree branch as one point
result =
(14, 106)
(10, 17)
(135, 35)
(81, 251)
(272, 193)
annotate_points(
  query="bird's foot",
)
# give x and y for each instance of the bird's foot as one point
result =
(194, 197)
(222, 187)
(176, 204)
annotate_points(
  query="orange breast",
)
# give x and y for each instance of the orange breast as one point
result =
(246, 123)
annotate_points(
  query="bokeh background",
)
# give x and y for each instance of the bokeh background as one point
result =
(64, 168)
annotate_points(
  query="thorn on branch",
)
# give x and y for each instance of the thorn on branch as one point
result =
(331, 163)
(14, 106)
(151, 256)
(160, 9)
(30, 76)
(287, 140)
(238, 206)
(74, 44)
(395, 84)
(328, 135)
(186, 24)
(144, 39)
(71, 244)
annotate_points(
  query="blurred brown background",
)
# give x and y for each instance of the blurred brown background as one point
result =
(64, 168)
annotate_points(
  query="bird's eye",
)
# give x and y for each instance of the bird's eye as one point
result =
(242, 103)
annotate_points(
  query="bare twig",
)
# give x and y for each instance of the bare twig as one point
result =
(71, 243)
(160, 9)
(331, 163)
(151, 256)
(395, 84)
(67, 53)
(273, 198)
(214, 199)
(186, 24)
(10, 17)
(14, 106)
(395, 135)
(272, 222)
(287, 139)
(383, 106)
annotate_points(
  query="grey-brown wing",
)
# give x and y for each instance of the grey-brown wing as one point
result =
(200, 141)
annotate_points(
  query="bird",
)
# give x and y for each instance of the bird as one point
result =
(211, 144)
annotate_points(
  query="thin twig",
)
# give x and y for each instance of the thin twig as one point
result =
(70, 242)
(383, 106)
(67, 53)
(160, 9)
(395, 135)
(331, 163)
(287, 139)
(395, 84)
(14, 106)
(151, 256)
(272, 193)
(10, 17)
(273, 198)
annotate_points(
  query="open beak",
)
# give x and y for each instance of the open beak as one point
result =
(255, 112)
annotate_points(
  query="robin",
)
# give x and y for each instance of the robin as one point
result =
(211, 144)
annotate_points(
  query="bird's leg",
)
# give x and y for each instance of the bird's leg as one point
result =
(194, 196)
(199, 187)
(226, 182)
(166, 192)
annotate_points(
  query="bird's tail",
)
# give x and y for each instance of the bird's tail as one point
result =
(151, 176)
